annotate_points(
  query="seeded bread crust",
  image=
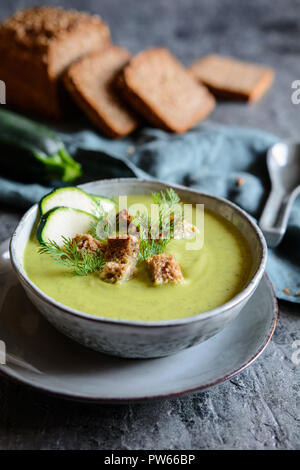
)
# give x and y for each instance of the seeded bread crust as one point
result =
(161, 89)
(90, 81)
(232, 79)
(36, 46)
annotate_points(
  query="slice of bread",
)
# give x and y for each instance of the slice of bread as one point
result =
(232, 79)
(36, 46)
(162, 91)
(90, 81)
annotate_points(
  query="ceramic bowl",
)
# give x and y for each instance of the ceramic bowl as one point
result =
(137, 339)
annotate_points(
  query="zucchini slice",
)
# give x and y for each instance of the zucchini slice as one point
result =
(106, 203)
(75, 198)
(63, 221)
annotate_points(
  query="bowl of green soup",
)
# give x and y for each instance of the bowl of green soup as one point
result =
(135, 295)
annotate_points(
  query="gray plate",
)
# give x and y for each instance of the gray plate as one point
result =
(39, 356)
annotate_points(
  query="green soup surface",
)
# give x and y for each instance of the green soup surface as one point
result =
(212, 276)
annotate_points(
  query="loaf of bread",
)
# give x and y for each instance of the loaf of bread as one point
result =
(36, 46)
(90, 82)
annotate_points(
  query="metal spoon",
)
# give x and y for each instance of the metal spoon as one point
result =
(4, 257)
(283, 161)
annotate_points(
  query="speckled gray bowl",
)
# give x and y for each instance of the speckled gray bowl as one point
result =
(136, 339)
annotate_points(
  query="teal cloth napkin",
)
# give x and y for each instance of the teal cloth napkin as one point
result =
(209, 157)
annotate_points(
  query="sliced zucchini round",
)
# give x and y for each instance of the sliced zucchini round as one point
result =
(105, 202)
(63, 222)
(68, 197)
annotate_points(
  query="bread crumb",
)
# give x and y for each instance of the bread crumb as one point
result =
(130, 150)
(240, 181)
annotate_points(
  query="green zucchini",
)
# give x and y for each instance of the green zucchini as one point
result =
(77, 199)
(31, 150)
(63, 222)
(105, 202)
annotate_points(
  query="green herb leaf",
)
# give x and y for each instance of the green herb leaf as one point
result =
(162, 227)
(81, 263)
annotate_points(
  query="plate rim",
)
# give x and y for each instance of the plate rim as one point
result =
(120, 400)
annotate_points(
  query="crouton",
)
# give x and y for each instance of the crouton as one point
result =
(123, 219)
(125, 224)
(122, 249)
(85, 241)
(164, 269)
(116, 273)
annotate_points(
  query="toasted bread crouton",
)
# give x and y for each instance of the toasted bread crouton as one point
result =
(116, 273)
(164, 269)
(122, 249)
(123, 219)
(125, 224)
(85, 241)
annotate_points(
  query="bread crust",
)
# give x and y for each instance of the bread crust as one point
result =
(157, 85)
(36, 45)
(164, 269)
(233, 79)
(91, 83)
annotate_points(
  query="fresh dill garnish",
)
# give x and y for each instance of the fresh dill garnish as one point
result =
(156, 233)
(168, 197)
(169, 213)
(93, 228)
(82, 262)
(149, 248)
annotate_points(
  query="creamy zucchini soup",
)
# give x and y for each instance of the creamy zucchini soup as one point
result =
(132, 277)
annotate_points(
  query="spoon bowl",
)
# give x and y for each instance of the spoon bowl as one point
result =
(283, 161)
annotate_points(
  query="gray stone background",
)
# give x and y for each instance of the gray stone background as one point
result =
(260, 408)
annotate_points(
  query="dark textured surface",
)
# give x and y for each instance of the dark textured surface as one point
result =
(260, 408)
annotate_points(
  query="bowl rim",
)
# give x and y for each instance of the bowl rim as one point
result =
(235, 301)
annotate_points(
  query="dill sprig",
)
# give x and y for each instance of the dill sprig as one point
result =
(156, 234)
(168, 197)
(168, 203)
(82, 263)
(149, 248)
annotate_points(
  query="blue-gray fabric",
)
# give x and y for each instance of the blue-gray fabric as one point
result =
(210, 158)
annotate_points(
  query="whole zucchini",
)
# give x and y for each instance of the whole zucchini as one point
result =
(32, 151)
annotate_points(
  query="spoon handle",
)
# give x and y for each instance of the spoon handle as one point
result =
(4, 257)
(274, 218)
